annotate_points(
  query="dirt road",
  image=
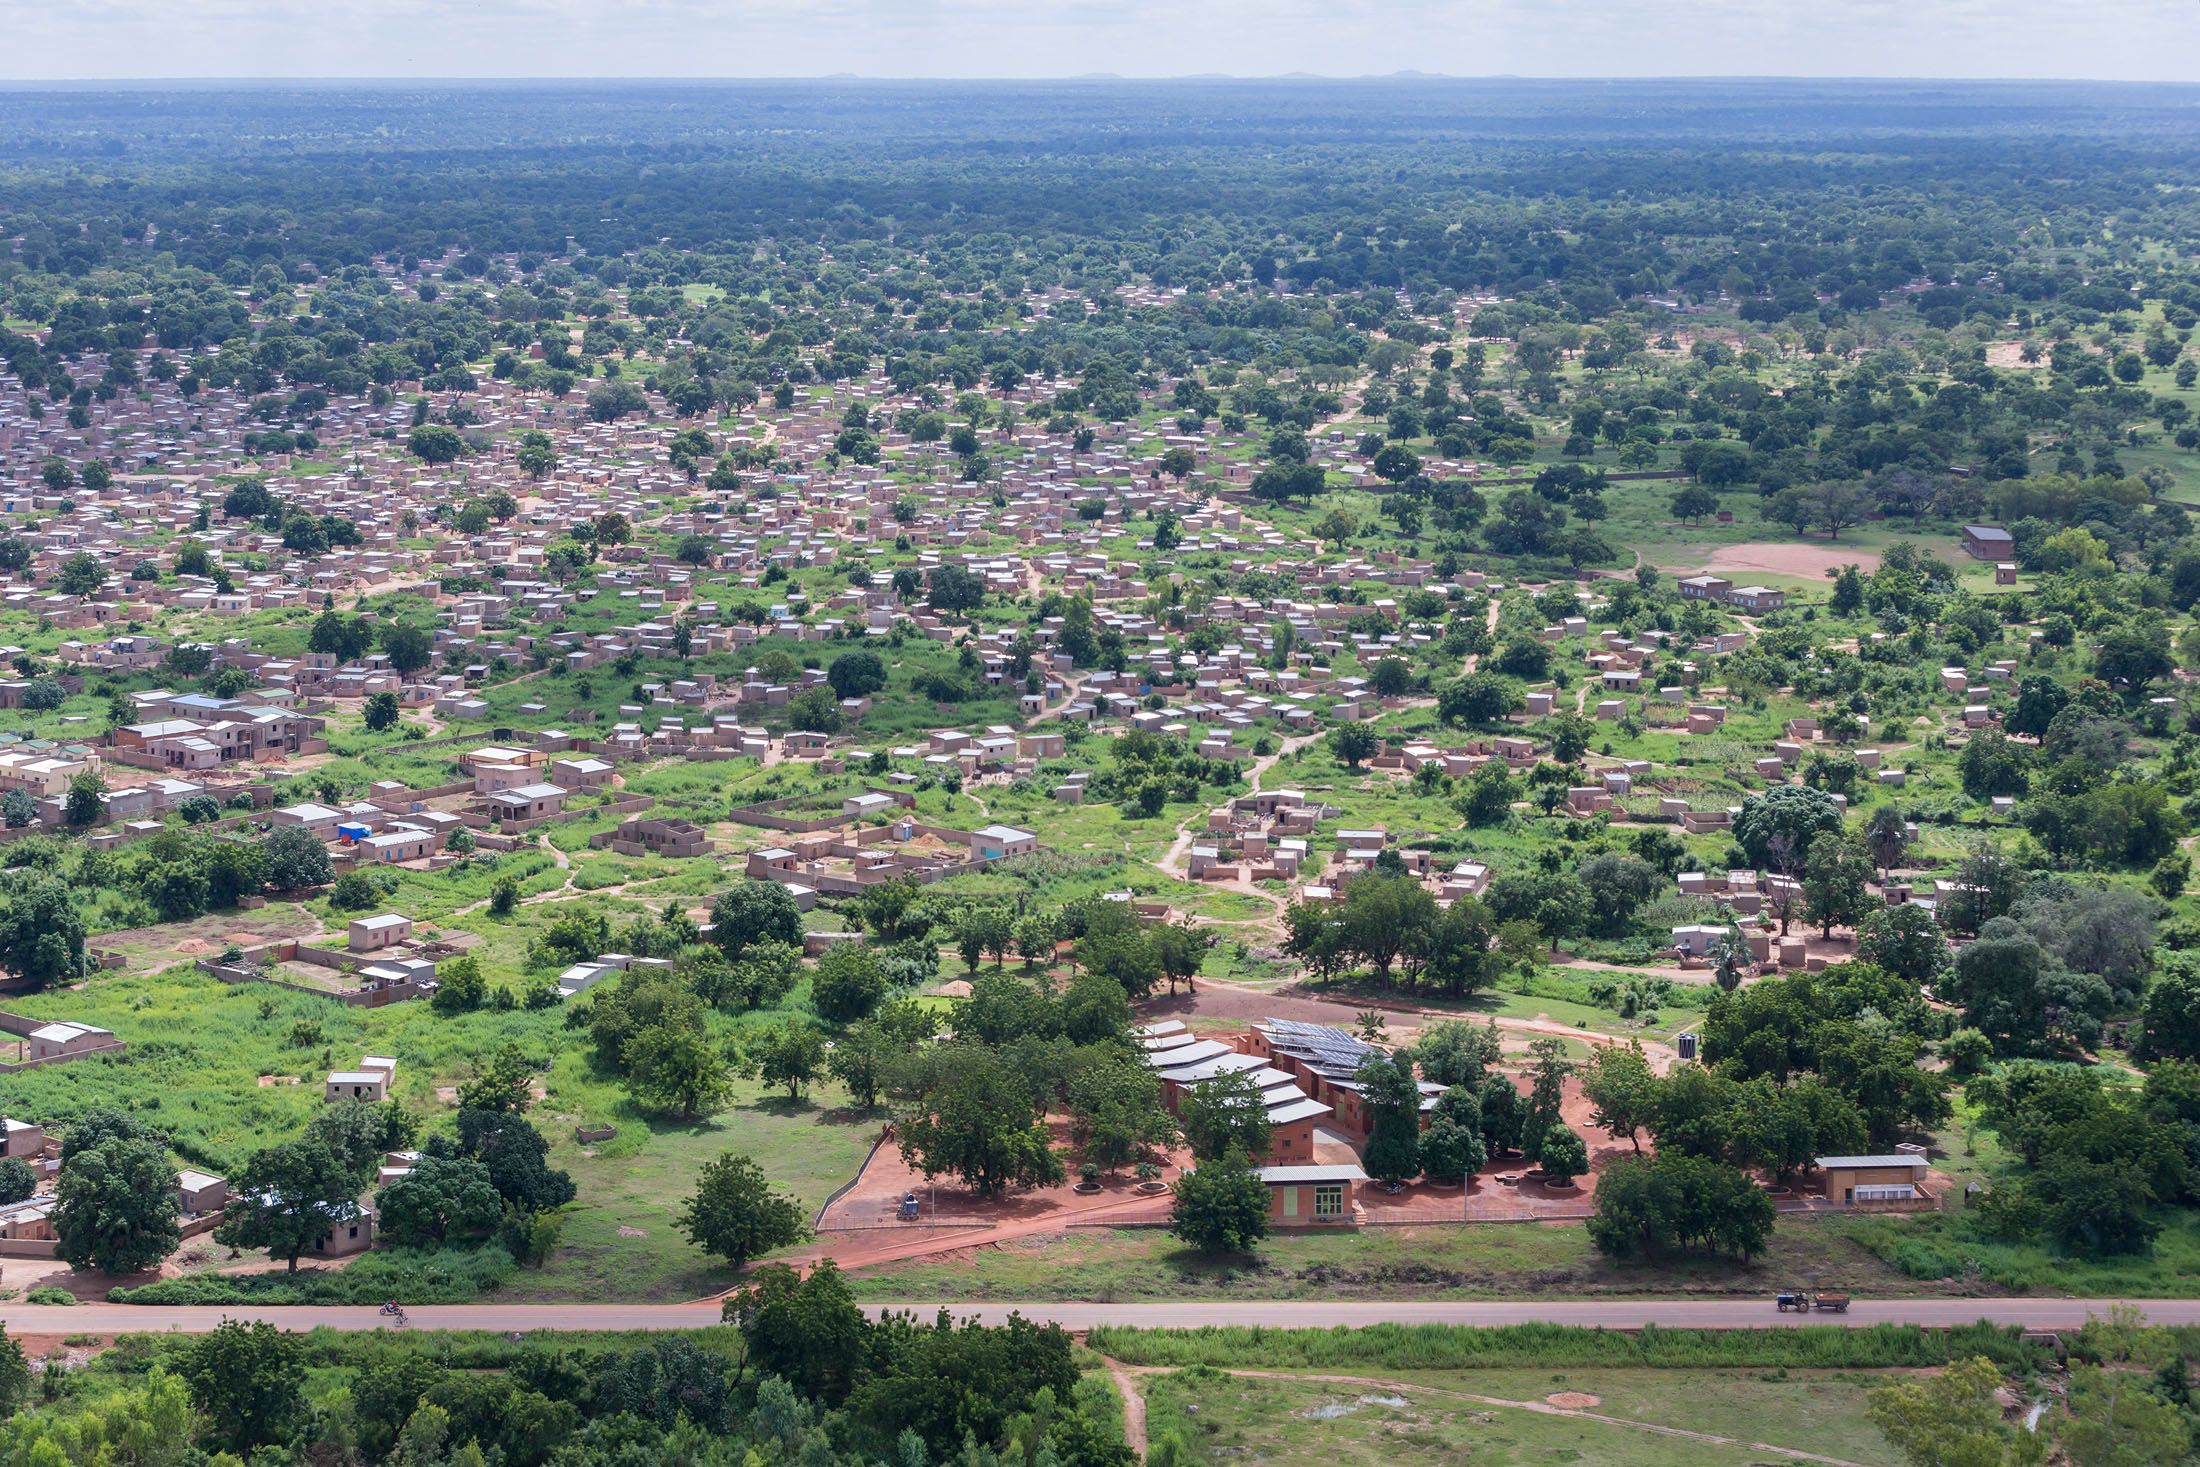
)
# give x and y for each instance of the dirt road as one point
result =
(107, 1319)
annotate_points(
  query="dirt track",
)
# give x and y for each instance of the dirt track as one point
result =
(2057, 1314)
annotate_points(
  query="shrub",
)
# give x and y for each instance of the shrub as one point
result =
(416, 1275)
(354, 892)
(1552, 1346)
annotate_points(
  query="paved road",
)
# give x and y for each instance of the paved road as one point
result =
(1608, 1314)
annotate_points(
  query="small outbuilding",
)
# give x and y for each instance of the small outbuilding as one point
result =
(995, 841)
(367, 1085)
(1314, 1195)
(1890, 1178)
(199, 1194)
(351, 1230)
(1987, 542)
(66, 1039)
(372, 934)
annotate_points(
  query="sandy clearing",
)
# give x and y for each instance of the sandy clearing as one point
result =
(1810, 561)
(2009, 355)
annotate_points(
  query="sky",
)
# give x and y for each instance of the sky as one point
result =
(2124, 40)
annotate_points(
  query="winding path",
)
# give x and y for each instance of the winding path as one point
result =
(1176, 861)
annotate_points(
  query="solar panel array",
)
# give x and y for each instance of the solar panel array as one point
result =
(1322, 1045)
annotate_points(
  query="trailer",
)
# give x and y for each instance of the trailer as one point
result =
(1803, 1301)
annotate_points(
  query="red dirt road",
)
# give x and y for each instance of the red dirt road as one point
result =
(110, 1319)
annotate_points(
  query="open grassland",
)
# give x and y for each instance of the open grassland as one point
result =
(1449, 1347)
(199, 1049)
(1222, 1417)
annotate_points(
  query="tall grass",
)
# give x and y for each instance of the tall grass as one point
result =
(347, 1350)
(416, 1275)
(1460, 1347)
(1940, 1246)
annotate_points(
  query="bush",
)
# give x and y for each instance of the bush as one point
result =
(414, 1275)
(460, 987)
(1563, 1154)
(1967, 1052)
(354, 892)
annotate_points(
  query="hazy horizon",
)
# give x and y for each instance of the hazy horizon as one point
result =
(2155, 41)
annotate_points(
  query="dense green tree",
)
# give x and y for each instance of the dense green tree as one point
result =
(979, 1125)
(1836, 873)
(287, 1198)
(857, 674)
(438, 1198)
(1992, 764)
(1792, 814)
(2169, 1026)
(1452, 1052)
(1353, 744)
(346, 638)
(1618, 1081)
(85, 804)
(1115, 1111)
(1479, 697)
(791, 1053)
(1904, 940)
(1954, 1419)
(735, 1215)
(1393, 1105)
(1562, 1154)
(1221, 1206)
(41, 934)
(1452, 1151)
(434, 443)
(1504, 1113)
(115, 1205)
(850, 982)
(503, 1080)
(753, 911)
(408, 647)
(803, 1328)
(1649, 1206)
(1224, 1113)
(675, 1069)
(1617, 885)
(513, 1153)
(248, 1378)
(81, 575)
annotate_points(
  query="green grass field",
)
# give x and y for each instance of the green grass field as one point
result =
(1636, 1420)
(198, 1047)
